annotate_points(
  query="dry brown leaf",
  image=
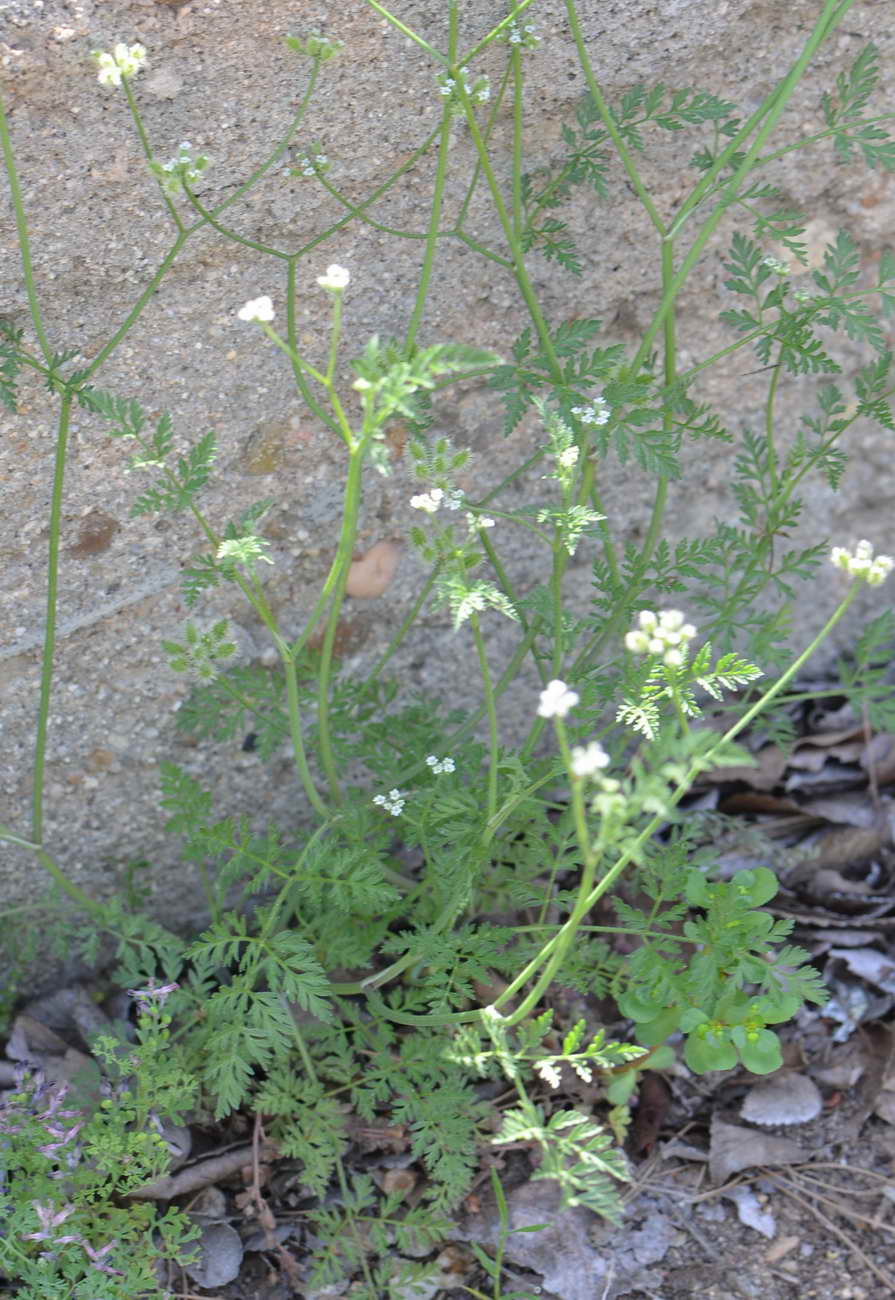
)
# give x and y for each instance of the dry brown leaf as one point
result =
(734, 1148)
(768, 771)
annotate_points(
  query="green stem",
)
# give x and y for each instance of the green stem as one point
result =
(493, 747)
(428, 263)
(49, 645)
(609, 123)
(350, 511)
(18, 204)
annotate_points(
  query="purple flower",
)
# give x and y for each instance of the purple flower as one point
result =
(148, 997)
(48, 1221)
(96, 1257)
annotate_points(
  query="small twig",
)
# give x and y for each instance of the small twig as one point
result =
(194, 1177)
(831, 1227)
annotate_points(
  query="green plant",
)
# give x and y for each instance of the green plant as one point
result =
(332, 977)
(494, 1267)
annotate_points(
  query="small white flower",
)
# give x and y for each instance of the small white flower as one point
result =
(428, 501)
(663, 634)
(862, 563)
(393, 802)
(596, 412)
(637, 642)
(774, 264)
(549, 1073)
(124, 62)
(588, 760)
(336, 278)
(556, 700)
(475, 522)
(257, 309)
(567, 458)
(439, 765)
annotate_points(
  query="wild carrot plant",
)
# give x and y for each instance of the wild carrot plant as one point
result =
(448, 878)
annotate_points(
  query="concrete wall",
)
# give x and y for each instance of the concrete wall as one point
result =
(221, 77)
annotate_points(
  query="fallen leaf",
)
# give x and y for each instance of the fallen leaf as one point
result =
(870, 965)
(750, 1213)
(733, 1148)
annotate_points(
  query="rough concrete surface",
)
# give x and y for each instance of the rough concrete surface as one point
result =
(221, 77)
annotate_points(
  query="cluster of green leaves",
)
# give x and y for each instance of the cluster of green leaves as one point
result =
(718, 978)
(72, 1153)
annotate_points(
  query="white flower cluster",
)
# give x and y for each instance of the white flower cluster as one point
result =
(125, 61)
(335, 280)
(434, 500)
(596, 412)
(862, 564)
(393, 802)
(439, 765)
(567, 458)
(588, 760)
(475, 522)
(664, 634)
(243, 550)
(556, 700)
(524, 35)
(309, 164)
(479, 90)
(774, 264)
(257, 309)
(182, 167)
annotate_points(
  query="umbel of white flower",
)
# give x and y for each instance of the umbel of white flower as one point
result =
(257, 309)
(335, 280)
(556, 700)
(588, 760)
(393, 802)
(124, 61)
(664, 634)
(861, 564)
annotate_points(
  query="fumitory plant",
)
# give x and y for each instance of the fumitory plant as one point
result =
(407, 936)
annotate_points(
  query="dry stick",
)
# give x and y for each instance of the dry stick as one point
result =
(194, 1177)
(837, 1205)
(831, 1227)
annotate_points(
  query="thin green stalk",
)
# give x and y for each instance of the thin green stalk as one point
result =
(476, 49)
(519, 269)
(609, 123)
(228, 232)
(406, 624)
(769, 426)
(493, 746)
(407, 31)
(148, 154)
(49, 646)
(778, 102)
(348, 534)
(18, 204)
(441, 166)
